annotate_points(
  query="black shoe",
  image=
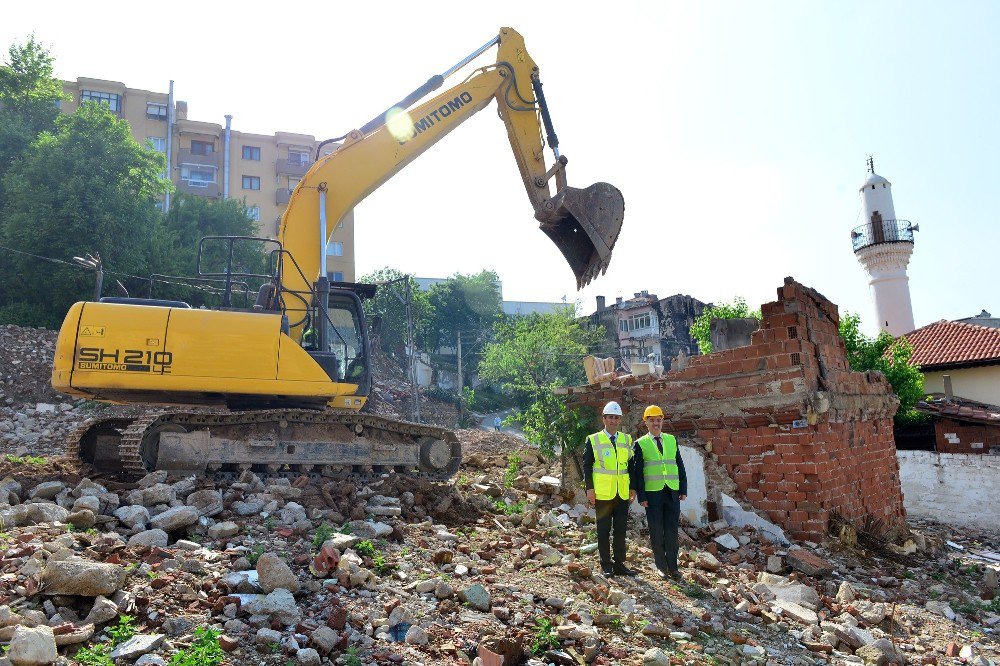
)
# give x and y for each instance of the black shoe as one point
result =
(622, 570)
(608, 569)
(674, 574)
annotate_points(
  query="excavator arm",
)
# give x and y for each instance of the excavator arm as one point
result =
(583, 223)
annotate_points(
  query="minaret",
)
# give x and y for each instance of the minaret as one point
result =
(883, 245)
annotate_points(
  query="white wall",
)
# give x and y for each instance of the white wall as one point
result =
(695, 506)
(956, 488)
(981, 383)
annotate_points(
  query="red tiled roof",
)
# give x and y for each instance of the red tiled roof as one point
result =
(961, 410)
(945, 343)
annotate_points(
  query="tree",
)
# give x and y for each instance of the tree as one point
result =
(532, 356)
(86, 187)
(890, 356)
(190, 219)
(467, 305)
(701, 329)
(389, 304)
(29, 97)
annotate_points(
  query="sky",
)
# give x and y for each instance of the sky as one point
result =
(738, 132)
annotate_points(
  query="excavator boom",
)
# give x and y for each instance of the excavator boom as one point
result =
(583, 223)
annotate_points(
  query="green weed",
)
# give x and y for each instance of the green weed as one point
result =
(205, 651)
(124, 630)
(255, 554)
(352, 658)
(544, 639)
(365, 548)
(513, 466)
(323, 532)
(508, 509)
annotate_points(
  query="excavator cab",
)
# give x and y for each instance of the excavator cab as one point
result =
(347, 353)
(335, 336)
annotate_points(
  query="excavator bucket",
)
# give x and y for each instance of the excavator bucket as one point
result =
(584, 224)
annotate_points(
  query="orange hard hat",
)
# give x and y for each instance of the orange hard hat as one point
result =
(652, 410)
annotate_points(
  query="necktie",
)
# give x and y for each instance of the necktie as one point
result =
(659, 444)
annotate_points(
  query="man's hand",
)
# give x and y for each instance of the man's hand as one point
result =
(645, 505)
(683, 497)
(631, 495)
(592, 497)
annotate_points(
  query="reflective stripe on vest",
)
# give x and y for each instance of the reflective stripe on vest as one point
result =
(610, 464)
(659, 469)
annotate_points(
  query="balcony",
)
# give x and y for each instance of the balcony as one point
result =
(291, 167)
(198, 187)
(281, 196)
(185, 156)
(882, 231)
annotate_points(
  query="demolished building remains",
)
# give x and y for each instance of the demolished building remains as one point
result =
(801, 436)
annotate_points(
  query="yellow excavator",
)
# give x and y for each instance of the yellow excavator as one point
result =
(286, 380)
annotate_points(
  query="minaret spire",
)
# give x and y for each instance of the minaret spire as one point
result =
(883, 245)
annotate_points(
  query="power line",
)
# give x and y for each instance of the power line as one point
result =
(38, 256)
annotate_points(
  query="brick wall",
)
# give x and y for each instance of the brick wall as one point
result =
(956, 437)
(798, 432)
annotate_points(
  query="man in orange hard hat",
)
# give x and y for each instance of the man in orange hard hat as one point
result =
(661, 484)
(605, 473)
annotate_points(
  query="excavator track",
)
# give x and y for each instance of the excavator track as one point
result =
(276, 441)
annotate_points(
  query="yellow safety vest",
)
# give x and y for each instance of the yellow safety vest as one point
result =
(658, 469)
(610, 464)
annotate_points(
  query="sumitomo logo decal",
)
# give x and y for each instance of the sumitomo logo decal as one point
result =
(438, 115)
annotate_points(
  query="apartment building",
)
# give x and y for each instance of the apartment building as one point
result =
(214, 160)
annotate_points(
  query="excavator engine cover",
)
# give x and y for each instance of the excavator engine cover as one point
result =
(584, 224)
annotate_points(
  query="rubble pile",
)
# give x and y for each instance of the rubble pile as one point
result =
(34, 417)
(497, 566)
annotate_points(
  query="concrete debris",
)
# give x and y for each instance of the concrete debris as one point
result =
(317, 571)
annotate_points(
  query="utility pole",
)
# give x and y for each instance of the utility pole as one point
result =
(411, 348)
(458, 336)
(411, 345)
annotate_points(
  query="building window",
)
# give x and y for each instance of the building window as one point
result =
(335, 249)
(196, 177)
(335, 276)
(251, 153)
(156, 111)
(251, 182)
(110, 100)
(636, 322)
(293, 183)
(253, 212)
(158, 143)
(300, 157)
(202, 147)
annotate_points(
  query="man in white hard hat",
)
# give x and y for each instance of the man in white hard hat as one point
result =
(605, 472)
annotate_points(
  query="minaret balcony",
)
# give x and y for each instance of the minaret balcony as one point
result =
(882, 231)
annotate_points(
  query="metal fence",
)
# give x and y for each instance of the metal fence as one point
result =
(884, 231)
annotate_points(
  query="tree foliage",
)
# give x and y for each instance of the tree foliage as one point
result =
(88, 186)
(389, 303)
(29, 96)
(467, 305)
(534, 352)
(701, 329)
(890, 356)
(530, 357)
(550, 423)
(190, 219)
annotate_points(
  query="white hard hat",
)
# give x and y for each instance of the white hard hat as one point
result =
(612, 408)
